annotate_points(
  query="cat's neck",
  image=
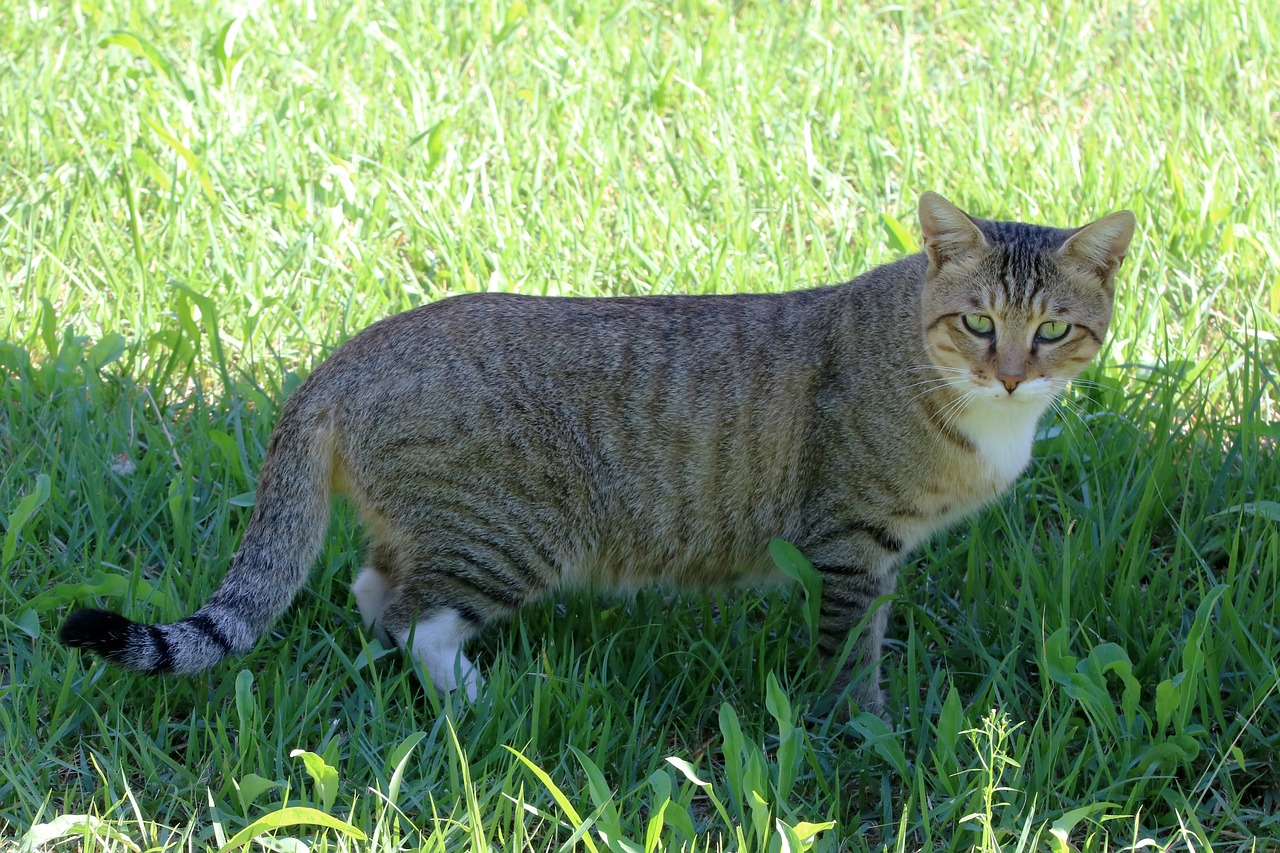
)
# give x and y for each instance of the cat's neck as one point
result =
(1001, 432)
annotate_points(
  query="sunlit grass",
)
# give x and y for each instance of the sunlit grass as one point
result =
(198, 201)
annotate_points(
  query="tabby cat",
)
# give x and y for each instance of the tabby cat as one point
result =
(498, 447)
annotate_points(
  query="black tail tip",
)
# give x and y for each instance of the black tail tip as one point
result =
(99, 631)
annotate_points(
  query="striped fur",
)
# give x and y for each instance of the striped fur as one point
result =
(499, 446)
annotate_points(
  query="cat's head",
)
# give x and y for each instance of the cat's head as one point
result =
(1014, 311)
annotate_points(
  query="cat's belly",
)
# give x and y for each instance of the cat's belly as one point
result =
(705, 560)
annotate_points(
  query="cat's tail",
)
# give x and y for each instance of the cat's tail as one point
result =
(282, 542)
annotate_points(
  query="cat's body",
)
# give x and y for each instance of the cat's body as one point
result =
(497, 446)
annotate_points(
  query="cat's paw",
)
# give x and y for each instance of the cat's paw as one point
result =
(844, 704)
(868, 698)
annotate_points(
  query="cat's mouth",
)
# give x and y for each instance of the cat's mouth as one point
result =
(1014, 390)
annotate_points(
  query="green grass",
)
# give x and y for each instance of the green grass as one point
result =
(198, 201)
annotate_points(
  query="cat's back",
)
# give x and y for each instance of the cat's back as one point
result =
(557, 351)
(597, 329)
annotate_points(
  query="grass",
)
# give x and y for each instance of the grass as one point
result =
(198, 201)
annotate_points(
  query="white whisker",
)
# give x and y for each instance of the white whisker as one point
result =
(934, 382)
(941, 368)
(952, 413)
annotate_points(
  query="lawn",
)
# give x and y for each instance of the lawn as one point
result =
(198, 201)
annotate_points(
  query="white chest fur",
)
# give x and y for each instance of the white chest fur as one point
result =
(1002, 430)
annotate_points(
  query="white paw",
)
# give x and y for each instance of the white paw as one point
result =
(371, 590)
(437, 643)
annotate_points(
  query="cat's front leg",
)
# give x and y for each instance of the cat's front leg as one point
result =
(846, 601)
(856, 572)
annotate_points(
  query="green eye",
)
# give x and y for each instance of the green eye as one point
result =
(979, 324)
(1054, 330)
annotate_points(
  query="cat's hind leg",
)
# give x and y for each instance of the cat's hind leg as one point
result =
(448, 584)
(371, 589)
(425, 614)
(435, 641)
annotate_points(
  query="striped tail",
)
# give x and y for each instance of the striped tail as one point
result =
(282, 542)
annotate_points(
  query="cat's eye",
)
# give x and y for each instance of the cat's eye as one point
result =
(979, 324)
(1053, 330)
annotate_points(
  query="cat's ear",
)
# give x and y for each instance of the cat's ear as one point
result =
(1100, 246)
(948, 231)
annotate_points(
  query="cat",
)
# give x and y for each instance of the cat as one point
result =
(499, 446)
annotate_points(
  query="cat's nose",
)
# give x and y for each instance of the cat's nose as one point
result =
(1011, 382)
